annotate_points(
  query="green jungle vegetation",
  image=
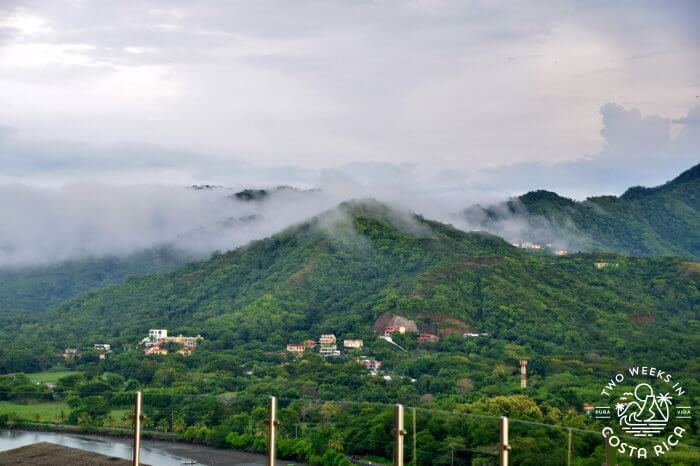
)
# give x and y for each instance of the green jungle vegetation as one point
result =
(643, 221)
(578, 319)
(36, 288)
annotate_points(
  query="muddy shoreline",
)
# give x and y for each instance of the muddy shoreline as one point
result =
(201, 454)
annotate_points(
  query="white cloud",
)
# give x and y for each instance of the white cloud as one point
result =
(453, 84)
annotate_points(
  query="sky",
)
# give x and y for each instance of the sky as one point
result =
(453, 101)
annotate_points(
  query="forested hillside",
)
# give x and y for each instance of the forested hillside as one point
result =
(36, 288)
(577, 319)
(340, 271)
(643, 221)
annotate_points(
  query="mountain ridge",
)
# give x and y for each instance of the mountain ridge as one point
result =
(663, 220)
(341, 270)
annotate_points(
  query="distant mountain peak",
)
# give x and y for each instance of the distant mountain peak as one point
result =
(252, 194)
(691, 174)
(543, 195)
(662, 220)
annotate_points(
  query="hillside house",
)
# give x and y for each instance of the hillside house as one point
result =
(353, 343)
(474, 334)
(329, 350)
(389, 329)
(371, 365)
(601, 265)
(70, 353)
(561, 252)
(310, 343)
(187, 342)
(103, 347)
(328, 339)
(157, 333)
(155, 349)
(156, 338)
(186, 351)
(297, 348)
(428, 337)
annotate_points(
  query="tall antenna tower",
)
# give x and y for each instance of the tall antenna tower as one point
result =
(523, 373)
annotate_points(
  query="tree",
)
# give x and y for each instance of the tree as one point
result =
(163, 425)
(179, 425)
(454, 444)
(336, 443)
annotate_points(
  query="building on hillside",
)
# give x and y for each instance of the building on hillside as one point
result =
(588, 408)
(157, 337)
(310, 343)
(474, 334)
(297, 348)
(371, 365)
(561, 252)
(353, 343)
(389, 329)
(186, 351)
(157, 333)
(328, 339)
(187, 342)
(155, 349)
(103, 347)
(428, 337)
(329, 350)
(70, 353)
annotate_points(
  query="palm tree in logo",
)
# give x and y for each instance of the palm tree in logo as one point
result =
(645, 409)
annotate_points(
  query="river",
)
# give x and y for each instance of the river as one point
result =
(153, 452)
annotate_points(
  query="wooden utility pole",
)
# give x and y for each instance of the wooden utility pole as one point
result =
(399, 433)
(503, 445)
(272, 431)
(136, 452)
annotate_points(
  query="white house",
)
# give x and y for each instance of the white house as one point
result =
(157, 333)
(353, 343)
(103, 347)
(329, 350)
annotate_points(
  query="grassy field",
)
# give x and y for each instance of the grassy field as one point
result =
(49, 411)
(49, 376)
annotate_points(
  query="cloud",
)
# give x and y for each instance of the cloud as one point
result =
(75, 221)
(444, 84)
(95, 214)
(638, 150)
(55, 163)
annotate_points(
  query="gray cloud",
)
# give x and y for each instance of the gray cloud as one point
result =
(434, 106)
(320, 83)
(638, 150)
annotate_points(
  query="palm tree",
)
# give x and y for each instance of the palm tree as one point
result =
(336, 443)
(179, 425)
(163, 425)
(84, 418)
(454, 443)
